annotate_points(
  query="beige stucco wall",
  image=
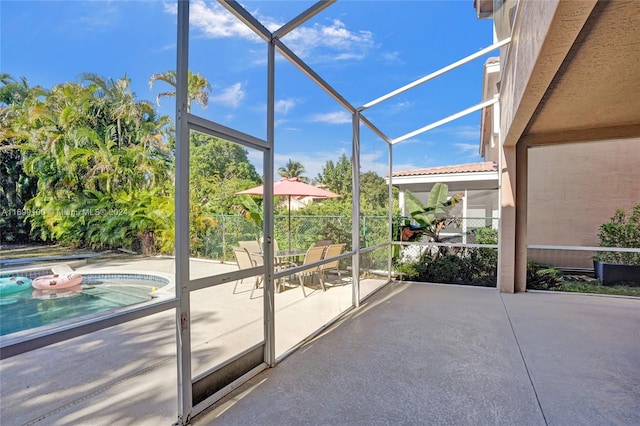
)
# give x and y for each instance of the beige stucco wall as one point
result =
(534, 19)
(573, 189)
(543, 34)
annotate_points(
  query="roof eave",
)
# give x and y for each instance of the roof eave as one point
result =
(446, 177)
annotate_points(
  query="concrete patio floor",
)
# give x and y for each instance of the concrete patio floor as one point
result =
(126, 375)
(412, 354)
(438, 354)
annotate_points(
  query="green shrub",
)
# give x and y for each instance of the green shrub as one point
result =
(482, 264)
(621, 231)
(407, 270)
(543, 277)
(486, 235)
(445, 269)
(476, 266)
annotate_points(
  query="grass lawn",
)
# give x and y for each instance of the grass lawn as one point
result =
(597, 288)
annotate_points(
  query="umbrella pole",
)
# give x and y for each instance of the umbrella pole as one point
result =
(289, 233)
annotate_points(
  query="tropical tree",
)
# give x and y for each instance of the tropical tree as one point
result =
(293, 169)
(13, 91)
(16, 187)
(436, 215)
(219, 169)
(374, 190)
(198, 87)
(87, 144)
(337, 176)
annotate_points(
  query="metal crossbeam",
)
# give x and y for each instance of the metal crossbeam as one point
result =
(445, 120)
(252, 23)
(436, 73)
(302, 18)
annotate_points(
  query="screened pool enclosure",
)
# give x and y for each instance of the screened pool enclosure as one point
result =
(256, 331)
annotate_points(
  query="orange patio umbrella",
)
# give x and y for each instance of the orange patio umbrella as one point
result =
(292, 187)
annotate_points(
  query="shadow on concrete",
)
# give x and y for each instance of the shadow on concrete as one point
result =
(441, 354)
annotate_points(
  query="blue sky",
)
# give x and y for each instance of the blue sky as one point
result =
(364, 49)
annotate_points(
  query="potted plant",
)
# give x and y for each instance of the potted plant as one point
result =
(619, 267)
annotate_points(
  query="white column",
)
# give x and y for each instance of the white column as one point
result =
(520, 272)
(465, 215)
(355, 216)
(507, 228)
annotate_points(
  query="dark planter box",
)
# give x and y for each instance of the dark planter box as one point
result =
(617, 273)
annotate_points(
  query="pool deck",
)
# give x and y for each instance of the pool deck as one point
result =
(126, 374)
(412, 354)
(66, 258)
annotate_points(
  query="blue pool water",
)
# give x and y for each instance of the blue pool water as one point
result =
(33, 308)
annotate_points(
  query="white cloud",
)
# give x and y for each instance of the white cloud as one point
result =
(467, 147)
(280, 122)
(467, 132)
(282, 106)
(231, 96)
(391, 57)
(318, 42)
(337, 117)
(374, 162)
(214, 21)
(400, 106)
(100, 17)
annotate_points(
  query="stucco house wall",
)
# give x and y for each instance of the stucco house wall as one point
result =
(573, 189)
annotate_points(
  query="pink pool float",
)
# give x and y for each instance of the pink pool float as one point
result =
(56, 281)
(56, 294)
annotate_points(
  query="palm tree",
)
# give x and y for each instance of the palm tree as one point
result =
(293, 169)
(16, 187)
(13, 91)
(198, 87)
(86, 144)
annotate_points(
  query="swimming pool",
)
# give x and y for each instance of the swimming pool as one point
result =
(31, 308)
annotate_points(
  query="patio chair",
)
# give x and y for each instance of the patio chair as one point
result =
(314, 254)
(254, 249)
(323, 243)
(245, 262)
(332, 251)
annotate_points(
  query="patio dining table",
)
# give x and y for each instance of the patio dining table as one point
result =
(285, 259)
(282, 256)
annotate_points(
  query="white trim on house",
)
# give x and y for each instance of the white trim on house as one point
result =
(446, 178)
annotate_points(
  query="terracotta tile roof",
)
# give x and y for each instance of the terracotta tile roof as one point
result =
(487, 166)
